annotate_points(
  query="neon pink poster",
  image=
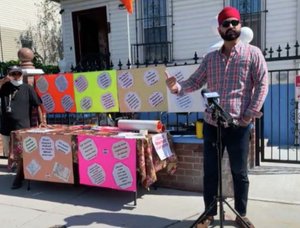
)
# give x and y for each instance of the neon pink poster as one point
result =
(107, 162)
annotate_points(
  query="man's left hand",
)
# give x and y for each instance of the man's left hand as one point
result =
(245, 121)
(43, 124)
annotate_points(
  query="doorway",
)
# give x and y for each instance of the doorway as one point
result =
(91, 37)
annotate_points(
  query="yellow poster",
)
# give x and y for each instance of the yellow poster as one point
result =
(143, 90)
(96, 91)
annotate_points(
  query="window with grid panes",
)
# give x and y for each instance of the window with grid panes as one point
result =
(153, 23)
(250, 11)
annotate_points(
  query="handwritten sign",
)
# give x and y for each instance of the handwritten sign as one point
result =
(161, 145)
(122, 176)
(96, 91)
(47, 157)
(191, 102)
(46, 146)
(107, 162)
(56, 92)
(142, 90)
(88, 149)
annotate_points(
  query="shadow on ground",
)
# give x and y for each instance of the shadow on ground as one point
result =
(81, 195)
(133, 221)
(274, 170)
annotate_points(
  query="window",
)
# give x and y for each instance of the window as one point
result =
(153, 39)
(251, 17)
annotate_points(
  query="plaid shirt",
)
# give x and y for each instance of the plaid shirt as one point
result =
(241, 81)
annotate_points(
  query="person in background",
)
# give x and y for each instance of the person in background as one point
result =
(17, 101)
(238, 73)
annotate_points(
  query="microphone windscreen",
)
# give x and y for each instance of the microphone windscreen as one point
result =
(203, 91)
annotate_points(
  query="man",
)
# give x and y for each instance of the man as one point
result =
(17, 101)
(238, 73)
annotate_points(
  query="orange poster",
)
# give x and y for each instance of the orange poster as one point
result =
(46, 156)
(56, 92)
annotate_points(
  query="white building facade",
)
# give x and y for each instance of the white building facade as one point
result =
(168, 29)
(15, 17)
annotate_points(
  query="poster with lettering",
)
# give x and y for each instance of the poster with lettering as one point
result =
(142, 90)
(190, 102)
(107, 162)
(48, 157)
(96, 91)
(162, 146)
(56, 92)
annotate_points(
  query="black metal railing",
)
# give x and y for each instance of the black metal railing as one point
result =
(278, 138)
(290, 53)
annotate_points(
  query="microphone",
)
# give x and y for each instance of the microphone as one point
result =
(210, 97)
(212, 102)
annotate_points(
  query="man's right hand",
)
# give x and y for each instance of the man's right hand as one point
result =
(4, 80)
(172, 84)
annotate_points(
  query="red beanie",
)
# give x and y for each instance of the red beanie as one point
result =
(228, 12)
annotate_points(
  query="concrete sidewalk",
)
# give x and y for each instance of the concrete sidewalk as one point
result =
(274, 201)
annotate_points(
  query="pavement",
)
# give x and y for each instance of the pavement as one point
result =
(274, 201)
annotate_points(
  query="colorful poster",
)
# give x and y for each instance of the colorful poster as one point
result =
(56, 92)
(142, 90)
(107, 162)
(191, 102)
(48, 157)
(96, 91)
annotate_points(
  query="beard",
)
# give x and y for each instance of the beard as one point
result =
(230, 35)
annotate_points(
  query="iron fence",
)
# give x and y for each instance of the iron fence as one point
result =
(279, 134)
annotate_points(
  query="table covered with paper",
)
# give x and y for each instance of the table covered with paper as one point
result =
(112, 157)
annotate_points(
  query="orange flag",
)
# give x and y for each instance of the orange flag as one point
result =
(128, 4)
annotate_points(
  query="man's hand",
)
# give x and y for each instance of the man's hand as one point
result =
(5, 79)
(43, 124)
(172, 84)
(245, 121)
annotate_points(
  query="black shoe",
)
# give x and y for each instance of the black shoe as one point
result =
(16, 185)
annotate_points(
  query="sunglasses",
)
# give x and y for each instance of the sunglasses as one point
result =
(234, 23)
(15, 74)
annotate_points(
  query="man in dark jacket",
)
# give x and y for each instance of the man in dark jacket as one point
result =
(17, 101)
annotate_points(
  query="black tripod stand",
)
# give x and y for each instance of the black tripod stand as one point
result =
(218, 115)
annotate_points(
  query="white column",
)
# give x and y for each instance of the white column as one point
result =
(298, 30)
(128, 37)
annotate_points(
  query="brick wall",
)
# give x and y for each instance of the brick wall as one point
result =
(189, 173)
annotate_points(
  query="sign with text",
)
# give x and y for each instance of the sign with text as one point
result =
(48, 157)
(56, 92)
(142, 90)
(162, 146)
(190, 102)
(96, 91)
(107, 162)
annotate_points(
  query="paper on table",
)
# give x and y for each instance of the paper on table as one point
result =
(131, 135)
(162, 146)
(150, 125)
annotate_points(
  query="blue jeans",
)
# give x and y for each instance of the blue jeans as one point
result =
(236, 141)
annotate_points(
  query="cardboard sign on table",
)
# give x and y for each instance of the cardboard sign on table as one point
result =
(47, 157)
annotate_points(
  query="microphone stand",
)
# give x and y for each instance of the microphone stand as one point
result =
(217, 115)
